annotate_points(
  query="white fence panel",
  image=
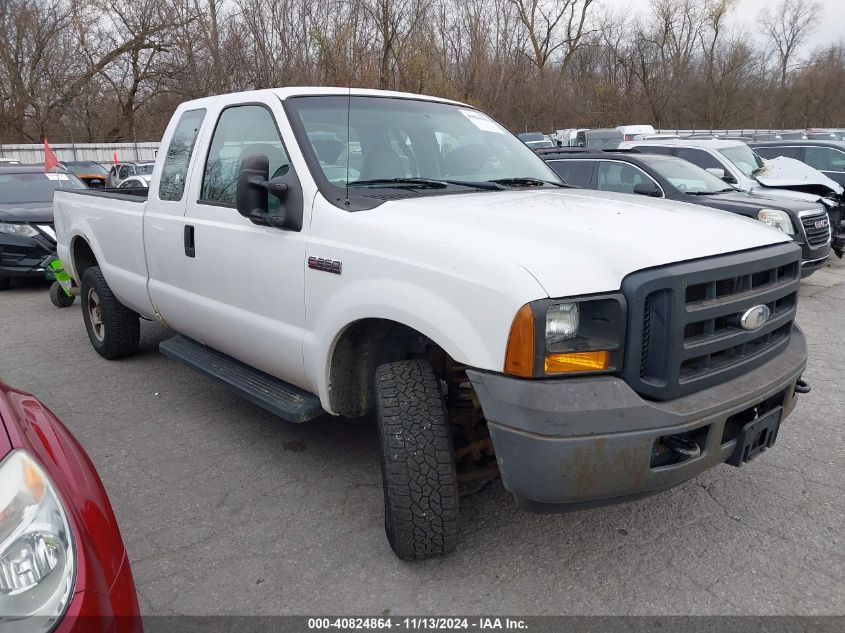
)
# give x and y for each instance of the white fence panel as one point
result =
(99, 152)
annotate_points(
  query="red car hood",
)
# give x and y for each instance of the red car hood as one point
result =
(30, 425)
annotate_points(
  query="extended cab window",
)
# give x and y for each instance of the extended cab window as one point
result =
(240, 132)
(175, 168)
(825, 158)
(574, 172)
(620, 177)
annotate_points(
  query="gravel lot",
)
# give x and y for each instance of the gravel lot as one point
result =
(227, 510)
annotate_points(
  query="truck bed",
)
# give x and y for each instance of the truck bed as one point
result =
(112, 222)
(135, 194)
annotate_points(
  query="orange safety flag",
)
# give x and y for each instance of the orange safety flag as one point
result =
(114, 157)
(50, 160)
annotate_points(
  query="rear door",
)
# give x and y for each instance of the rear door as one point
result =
(613, 175)
(164, 219)
(246, 293)
(578, 173)
(828, 160)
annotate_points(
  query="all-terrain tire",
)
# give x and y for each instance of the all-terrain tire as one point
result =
(59, 297)
(417, 463)
(114, 330)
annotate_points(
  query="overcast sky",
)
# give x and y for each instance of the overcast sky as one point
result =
(829, 31)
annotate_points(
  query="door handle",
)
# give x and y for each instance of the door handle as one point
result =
(190, 249)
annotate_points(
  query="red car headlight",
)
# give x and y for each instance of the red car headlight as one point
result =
(37, 563)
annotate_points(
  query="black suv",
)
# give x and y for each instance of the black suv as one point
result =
(27, 235)
(661, 176)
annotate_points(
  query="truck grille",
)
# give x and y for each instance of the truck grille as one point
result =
(816, 228)
(684, 331)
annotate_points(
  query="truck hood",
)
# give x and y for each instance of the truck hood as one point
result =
(40, 212)
(788, 172)
(572, 241)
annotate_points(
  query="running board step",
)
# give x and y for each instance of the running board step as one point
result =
(276, 396)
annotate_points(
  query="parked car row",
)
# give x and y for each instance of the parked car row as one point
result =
(742, 167)
(670, 177)
(581, 137)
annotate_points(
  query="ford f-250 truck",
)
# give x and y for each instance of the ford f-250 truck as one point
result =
(325, 250)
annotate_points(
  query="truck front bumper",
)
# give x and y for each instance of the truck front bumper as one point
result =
(568, 443)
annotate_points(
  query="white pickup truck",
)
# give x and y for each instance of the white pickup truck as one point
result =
(324, 250)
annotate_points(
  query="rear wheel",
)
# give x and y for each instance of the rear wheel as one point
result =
(59, 297)
(418, 468)
(113, 329)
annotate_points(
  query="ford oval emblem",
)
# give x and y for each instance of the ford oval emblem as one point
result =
(755, 318)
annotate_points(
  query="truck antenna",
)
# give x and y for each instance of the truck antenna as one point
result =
(348, 139)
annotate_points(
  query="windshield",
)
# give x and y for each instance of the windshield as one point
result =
(389, 139)
(539, 144)
(744, 158)
(21, 188)
(685, 176)
(87, 167)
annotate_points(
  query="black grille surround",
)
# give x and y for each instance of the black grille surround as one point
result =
(816, 228)
(683, 319)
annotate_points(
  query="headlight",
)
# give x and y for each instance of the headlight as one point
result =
(37, 563)
(778, 219)
(579, 335)
(22, 230)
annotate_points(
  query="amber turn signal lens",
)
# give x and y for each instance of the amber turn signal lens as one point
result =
(576, 361)
(519, 356)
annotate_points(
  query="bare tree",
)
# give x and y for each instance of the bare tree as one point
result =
(787, 27)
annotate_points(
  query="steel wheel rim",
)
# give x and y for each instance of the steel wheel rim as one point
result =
(95, 315)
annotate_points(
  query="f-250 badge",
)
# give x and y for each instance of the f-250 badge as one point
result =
(326, 265)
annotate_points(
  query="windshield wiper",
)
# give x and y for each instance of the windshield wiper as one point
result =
(709, 193)
(418, 183)
(758, 170)
(425, 183)
(528, 181)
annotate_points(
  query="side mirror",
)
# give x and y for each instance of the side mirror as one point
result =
(251, 195)
(647, 189)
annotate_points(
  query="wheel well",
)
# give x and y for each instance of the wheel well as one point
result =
(360, 349)
(83, 256)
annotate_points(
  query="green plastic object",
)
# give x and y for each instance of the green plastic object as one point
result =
(55, 270)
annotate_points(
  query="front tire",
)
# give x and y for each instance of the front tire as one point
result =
(417, 463)
(113, 329)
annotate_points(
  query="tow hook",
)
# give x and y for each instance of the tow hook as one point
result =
(682, 446)
(802, 386)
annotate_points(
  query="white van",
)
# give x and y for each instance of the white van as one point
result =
(629, 131)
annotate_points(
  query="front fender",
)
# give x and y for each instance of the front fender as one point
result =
(473, 332)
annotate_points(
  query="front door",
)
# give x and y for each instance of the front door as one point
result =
(247, 280)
